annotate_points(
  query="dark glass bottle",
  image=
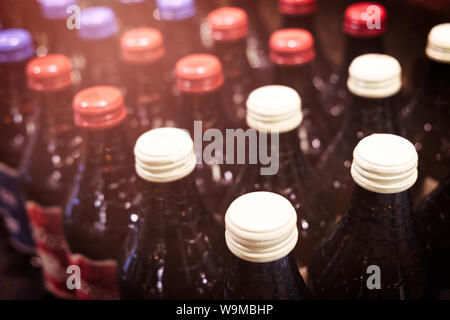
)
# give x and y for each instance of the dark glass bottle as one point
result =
(48, 173)
(374, 252)
(200, 81)
(177, 249)
(17, 127)
(229, 28)
(277, 109)
(106, 193)
(100, 47)
(292, 53)
(180, 28)
(427, 117)
(433, 225)
(147, 94)
(373, 107)
(359, 40)
(301, 15)
(261, 232)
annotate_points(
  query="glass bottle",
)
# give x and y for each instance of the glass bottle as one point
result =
(364, 27)
(261, 233)
(229, 29)
(200, 80)
(374, 252)
(17, 127)
(373, 107)
(106, 194)
(276, 110)
(176, 250)
(147, 94)
(48, 173)
(293, 55)
(100, 47)
(427, 117)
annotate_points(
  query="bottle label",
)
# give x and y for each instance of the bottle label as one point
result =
(51, 246)
(98, 278)
(13, 211)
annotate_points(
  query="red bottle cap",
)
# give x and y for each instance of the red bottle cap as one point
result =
(291, 47)
(297, 7)
(142, 45)
(99, 107)
(199, 73)
(49, 73)
(365, 19)
(228, 24)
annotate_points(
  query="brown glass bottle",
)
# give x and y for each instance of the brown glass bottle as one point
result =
(106, 193)
(176, 250)
(48, 174)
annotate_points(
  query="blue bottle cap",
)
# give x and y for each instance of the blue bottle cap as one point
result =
(97, 23)
(56, 9)
(15, 45)
(172, 10)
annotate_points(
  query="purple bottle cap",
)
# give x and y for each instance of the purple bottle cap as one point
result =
(171, 10)
(56, 9)
(97, 23)
(15, 45)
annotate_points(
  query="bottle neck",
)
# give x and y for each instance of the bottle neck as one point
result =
(55, 108)
(305, 22)
(437, 84)
(274, 280)
(13, 88)
(298, 77)
(356, 46)
(233, 55)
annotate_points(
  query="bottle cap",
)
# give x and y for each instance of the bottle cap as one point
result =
(199, 73)
(15, 45)
(291, 47)
(56, 9)
(142, 45)
(297, 7)
(99, 107)
(173, 10)
(97, 23)
(374, 76)
(261, 227)
(438, 46)
(274, 108)
(384, 163)
(228, 23)
(49, 73)
(164, 155)
(365, 19)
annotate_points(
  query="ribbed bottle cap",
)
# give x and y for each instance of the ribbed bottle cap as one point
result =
(365, 19)
(438, 46)
(261, 227)
(49, 73)
(297, 7)
(384, 163)
(15, 45)
(274, 108)
(173, 10)
(97, 23)
(199, 73)
(99, 107)
(228, 23)
(142, 45)
(164, 155)
(291, 47)
(56, 9)
(374, 76)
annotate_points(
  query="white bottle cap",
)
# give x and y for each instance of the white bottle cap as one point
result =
(384, 163)
(438, 46)
(374, 75)
(164, 155)
(261, 227)
(274, 108)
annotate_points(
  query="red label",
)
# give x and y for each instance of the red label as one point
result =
(51, 246)
(98, 278)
